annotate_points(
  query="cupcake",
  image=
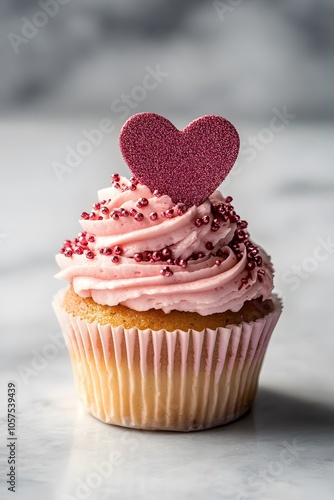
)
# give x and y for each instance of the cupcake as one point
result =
(169, 308)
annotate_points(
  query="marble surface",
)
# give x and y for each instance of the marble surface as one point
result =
(284, 448)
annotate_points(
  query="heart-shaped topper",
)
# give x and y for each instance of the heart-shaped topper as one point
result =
(187, 165)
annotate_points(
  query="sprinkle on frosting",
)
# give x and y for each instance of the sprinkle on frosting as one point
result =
(221, 213)
(170, 257)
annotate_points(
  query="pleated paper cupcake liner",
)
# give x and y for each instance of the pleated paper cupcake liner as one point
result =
(178, 380)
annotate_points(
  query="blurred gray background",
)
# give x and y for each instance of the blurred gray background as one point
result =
(72, 71)
(235, 57)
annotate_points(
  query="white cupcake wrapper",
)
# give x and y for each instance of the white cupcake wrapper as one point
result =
(166, 380)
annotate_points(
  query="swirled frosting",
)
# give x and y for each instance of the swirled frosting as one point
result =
(141, 250)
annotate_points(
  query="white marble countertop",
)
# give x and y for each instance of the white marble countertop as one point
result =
(283, 449)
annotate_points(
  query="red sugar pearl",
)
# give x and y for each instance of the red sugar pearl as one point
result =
(200, 255)
(183, 263)
(124, 213)
(218, 262)
(78, 250)
(89, 254)
(115, 178)
(253, 252)
(118, 250)
(229, 199)
(156, 193)
(139, 217)
(241, 235)
(156, 256)
(166, 252)
(169, 213)
(115, 259)
(134, 181)
(106, 251)
(181, 209)
(153, 216)
(68, 252)
(105, 210)
(84, 215)
(96, 206)
(142, 202)
(250, 265)
(198, 222)
(146, 256)
(83, 242)
(243, 224)
(133, 212)
(138, 257)
(206, 219)
(92, 215)
(209, 245)
(91, 239)
(114, 215)
(166, 271)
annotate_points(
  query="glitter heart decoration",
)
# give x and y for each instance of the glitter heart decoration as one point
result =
(187, 165)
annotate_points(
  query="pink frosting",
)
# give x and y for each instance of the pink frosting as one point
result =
(202, 286)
